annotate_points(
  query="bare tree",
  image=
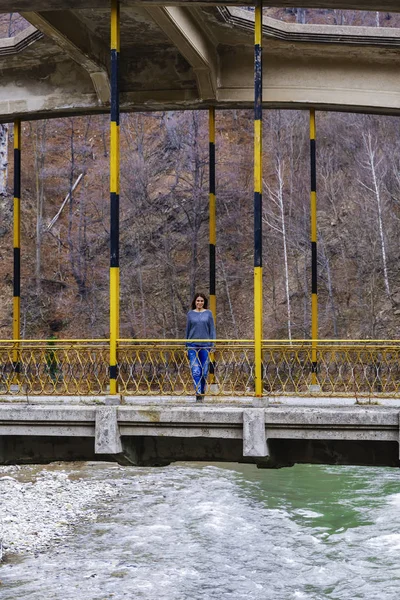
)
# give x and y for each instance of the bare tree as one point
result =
(277, 222)
(301, 15)
(372, 164)
(39, 140)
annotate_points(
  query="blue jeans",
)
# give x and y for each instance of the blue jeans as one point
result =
(199, 361)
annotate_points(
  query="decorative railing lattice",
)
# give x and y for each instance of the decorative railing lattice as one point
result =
(161, 368)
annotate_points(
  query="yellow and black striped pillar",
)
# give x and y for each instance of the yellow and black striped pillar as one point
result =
(258, 296)
(213, 230)
(17, 245)
(314, 266)
(114, 194)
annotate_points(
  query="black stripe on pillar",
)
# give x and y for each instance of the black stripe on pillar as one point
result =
(257, 230)
(313, 166)
(257, 83)
(115, 86)
(314, 367)
(114, 234)
(212, 168)
(113, 372)
(17, 173)
(212, 269)
(17, 272)
(313, 267)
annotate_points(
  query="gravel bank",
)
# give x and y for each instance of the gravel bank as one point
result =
(39, 506)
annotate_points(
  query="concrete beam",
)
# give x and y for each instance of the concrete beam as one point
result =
(254, 438)
(85, 48)
(340, 78)
(107, 436)
(21, 5)
(320, 34)
(21, 41)
(185, 33)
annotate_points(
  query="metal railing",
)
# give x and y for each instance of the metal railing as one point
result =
(149, 367)
(364, 368)
(54, 367)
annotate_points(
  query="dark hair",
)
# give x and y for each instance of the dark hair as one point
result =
(199, 296)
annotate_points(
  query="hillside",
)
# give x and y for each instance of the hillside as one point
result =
(164, 222)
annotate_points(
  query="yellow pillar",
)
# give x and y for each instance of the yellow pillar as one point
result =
(114, 195)
(258, 284)
(17, 247)
(213, 231)
(314, 264)
(212, 209)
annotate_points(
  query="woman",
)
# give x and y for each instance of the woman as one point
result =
(199, 326)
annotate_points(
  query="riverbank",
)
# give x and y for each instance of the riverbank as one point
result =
(40, 505)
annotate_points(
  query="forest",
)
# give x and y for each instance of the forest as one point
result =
(164, 219)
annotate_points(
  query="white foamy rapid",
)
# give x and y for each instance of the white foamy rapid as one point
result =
(188, 532)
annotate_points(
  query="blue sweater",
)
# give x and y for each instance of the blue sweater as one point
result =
(200, 326)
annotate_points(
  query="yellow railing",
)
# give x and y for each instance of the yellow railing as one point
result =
(364, 368)
(153, 367)
(54, 367)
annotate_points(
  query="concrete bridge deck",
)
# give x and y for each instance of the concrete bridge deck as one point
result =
(270, 435)
(191, 54)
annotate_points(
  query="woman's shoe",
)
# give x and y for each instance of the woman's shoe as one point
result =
(199, 397)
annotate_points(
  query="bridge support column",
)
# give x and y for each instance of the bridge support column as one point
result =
(314, 258)
(107, 436)
(213, 238)
(254, 434)
(17, 253)
(114, 195)
(258, 284)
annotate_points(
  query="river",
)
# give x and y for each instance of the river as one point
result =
(192, 531)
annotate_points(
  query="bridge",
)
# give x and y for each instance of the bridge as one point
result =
(189, 55)
(58, 406)
(131, 400)
(270, 436)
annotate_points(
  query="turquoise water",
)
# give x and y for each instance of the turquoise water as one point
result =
(226, 531)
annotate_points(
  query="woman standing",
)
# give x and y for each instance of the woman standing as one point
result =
(199, 326)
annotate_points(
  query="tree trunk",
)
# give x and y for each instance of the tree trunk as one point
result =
(373, 165)
(284, 241)
(39, 136)
(228, 295)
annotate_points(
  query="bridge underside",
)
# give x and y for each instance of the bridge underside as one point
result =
(192, 55)
(152, 435)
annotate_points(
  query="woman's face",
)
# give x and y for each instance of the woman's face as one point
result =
(199, 303)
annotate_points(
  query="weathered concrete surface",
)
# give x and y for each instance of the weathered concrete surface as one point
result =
(151, 435)
(191, 55)
(107, 436)
(254, 437)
